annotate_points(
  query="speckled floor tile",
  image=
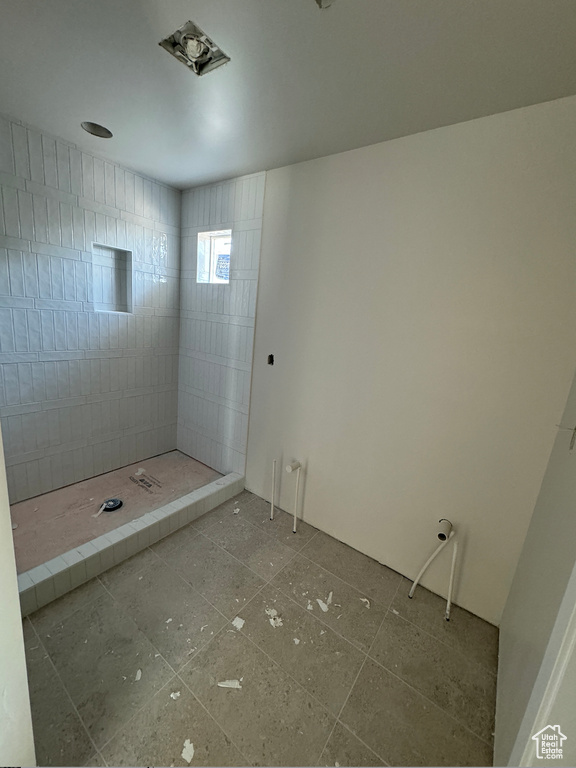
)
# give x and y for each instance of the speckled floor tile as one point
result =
(65, 606)
(322, 662)
(171, 724)
(360, 571)
(59, 735)
(344, 749)
(134, 564)
(349, 612)
(260, 552)
(473, 636)
(215, 574)
(101, 661)
(443, 674)
(174, 617)
(271, 719)
(108, 666)
(404, 728)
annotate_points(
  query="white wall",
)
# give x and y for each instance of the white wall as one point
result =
(544, 569)
(420, 298)
(217, 324)
(16, 741)
(82, 392)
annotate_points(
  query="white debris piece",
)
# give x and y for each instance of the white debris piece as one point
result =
(138, 675)
(309, 606)
(188, 751)
(274, 619)
(395, 611)
(140, 472)
(230, 684)
(168, 621)
(324, 605)
(175, 695)
(365, 601)
(14, 526)
(238, 622)
(296, 641)
(236, 510)
(102, 508)
(203, 627)
(322, 631)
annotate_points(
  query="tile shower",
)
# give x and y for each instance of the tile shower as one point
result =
(95, 376)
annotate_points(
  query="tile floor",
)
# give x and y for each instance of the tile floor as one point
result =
(336, 665)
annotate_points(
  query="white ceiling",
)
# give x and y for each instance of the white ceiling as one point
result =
(302, 82)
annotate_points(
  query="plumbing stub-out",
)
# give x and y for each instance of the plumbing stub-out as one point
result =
(111, 505)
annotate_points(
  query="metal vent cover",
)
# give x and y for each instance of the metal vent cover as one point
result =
(194, 49)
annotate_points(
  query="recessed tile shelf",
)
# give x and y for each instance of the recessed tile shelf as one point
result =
(112, 279)
(40, 585)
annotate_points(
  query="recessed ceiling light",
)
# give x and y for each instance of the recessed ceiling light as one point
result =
(97, 130)
(195, 49)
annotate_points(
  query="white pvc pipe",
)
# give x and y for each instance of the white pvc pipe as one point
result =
(295, 466)
(451, 584)
(296, 498)
(273, 489)
(427, 563)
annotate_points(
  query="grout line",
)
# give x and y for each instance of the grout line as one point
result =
(356, 680)
(353, 586)
(64, 688)
(453, 648)
(185, 684)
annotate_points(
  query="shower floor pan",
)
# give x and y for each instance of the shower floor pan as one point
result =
(59, 543)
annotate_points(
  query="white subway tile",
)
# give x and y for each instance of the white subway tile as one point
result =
(6, 154)
(20, 146)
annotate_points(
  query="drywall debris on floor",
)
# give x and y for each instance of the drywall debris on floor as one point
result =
(138, 675)
(274, 619)
(139, 472)
(296, 641)
(168, 621)
(236, 510)
(395, 611)
(188, 751)
(231, 684)
(202, 628)
(324, 605)
(365, 601)
(310, 607)
(238, 622)
(175, 695)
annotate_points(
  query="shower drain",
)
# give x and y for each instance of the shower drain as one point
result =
(111, 505)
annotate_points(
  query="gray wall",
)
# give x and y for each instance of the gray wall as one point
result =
(217, 324)
(539, 584)
(82, 392)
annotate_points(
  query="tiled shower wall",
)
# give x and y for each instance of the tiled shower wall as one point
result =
(217, 324)
(82, 392)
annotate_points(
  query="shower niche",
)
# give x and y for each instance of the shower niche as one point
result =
(112, 279)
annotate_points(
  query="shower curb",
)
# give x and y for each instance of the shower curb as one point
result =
(44, 583)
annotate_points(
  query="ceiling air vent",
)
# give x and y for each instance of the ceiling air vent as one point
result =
(195, 49)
